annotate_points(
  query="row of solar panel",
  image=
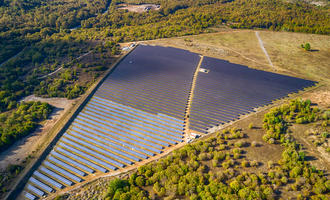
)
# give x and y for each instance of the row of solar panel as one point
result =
(145, 105)
(104, 136)
(229, 91)
(126, 121)
(157, 96)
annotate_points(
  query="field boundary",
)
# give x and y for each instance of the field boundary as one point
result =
(60, 127)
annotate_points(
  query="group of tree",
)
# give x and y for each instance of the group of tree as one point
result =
(186, 17)
(21, 121)
(297, 111)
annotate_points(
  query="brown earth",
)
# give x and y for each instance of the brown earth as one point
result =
(138, 8)
(30, 144)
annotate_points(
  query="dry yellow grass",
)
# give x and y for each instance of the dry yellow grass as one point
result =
(284, 49)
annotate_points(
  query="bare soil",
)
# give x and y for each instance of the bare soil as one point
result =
(31, 143)
(138, 8)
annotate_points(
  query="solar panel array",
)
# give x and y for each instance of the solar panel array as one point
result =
(229, 90)
(139, 110)
(136, 113)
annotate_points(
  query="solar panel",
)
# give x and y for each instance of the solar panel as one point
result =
(130, 124)
(88, 156)
(107, 147)
(35, 190)
(124, 147)
(41, 185)
(137, 110)
(62, 171)
(126, 142)
(230, 90)
(118, 133)
(74, 163)
(101, 151)
(68, 167)
(29, 196)
(140, 120)
(90, 164)
(152, 118)
(56, 176)
(48, 180)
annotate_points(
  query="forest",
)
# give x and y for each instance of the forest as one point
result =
(216, 168)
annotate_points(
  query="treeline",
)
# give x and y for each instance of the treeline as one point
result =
(21, 121)
(215, 168)
(19, 77)
(24, 22)
(177, 18)
(27, 74)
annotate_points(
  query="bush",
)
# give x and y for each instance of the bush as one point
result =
(238, 144)
(245, 163)
(140, 181)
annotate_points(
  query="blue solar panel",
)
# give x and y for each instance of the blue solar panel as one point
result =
(74, 163)
(122, 153)
(35, 190)
(126, 142)
(173, 132)
(41, 185)
(29, 196)
(80, 159)
(48, 180)
(100, 150)
(68, 167)
(89, 157)
(130, 124)
(230, 90)
(149, 118)
(56, 176)
(136, 110)
(62, 171)
(123, 147)
(117, 131)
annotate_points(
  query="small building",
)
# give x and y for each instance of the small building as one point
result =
(204, 70)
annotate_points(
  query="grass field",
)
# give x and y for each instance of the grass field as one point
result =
(284, 49)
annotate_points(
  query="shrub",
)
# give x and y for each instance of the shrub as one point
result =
(307, 47)
(238, 144)
(271, 141)
(254, 163)
(140, 181)
(245, 163)
(115, 185)
(284, 180)
(251, 126)
(295, 172)
(254, 144)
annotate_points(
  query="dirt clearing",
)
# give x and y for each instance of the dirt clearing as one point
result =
(31, 143)
(138, 8)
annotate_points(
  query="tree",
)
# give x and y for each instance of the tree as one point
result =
(306, 46)
(140, 181)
